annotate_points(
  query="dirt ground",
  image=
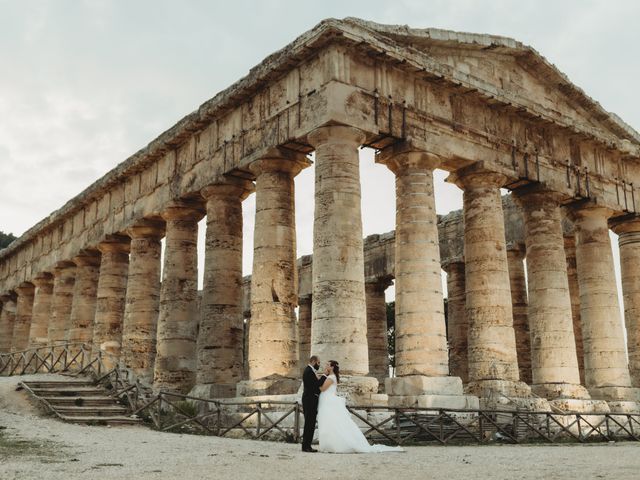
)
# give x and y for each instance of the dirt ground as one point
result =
(33, 446)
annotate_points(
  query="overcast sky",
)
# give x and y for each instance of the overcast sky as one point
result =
(84, 84)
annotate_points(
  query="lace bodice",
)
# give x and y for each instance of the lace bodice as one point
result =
(334, 385)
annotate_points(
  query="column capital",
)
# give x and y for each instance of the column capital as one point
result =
(477, 175)
(228, 186)
(588, 210)
(399, 157)
(9, 296)
(115, 243)
(280, 161)
(451, 263)
(517, 249)
(625, 224)
(25, 289)
(183, 210)
(381, 283)
(336, 134)
(63, 266)
(147, 228)
(42, 279)
(87, 258)
(530, 196)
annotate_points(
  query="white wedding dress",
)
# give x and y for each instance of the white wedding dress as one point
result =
(337, 432)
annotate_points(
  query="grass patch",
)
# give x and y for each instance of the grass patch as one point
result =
(11, 447)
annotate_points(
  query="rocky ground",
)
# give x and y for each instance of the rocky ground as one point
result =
(33, 446)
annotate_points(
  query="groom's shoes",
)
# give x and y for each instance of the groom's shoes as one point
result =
(309, 450)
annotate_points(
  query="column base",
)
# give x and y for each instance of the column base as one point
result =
(553, 391)
(616, 394)
(420, 391)
(271, 385)
(507, 395)
(214, 390)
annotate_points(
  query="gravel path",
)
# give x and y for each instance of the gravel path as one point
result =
(37, 447)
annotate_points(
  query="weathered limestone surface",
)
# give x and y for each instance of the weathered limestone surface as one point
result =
(492, 354)
(83, 306)
(574, 292)
(304, 331)
(142, 299)
(629, 242)
(220, 336)
(110, 298)
(339, 325)
(515, 257)
(273, 338)
(64, 276)
(457, 326)
(377, 329)
(175, 362)
(41, 313)
(554, 361)
(7, 319)
(22, 322)
(606, 368)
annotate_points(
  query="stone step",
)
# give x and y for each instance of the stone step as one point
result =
(107, 420)
(49, 385)
(69, 392)
(79, 401)
(95, 411)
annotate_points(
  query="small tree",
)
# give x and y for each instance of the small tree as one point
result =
(6, 239)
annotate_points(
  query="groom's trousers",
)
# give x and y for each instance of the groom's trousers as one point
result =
(310, 406)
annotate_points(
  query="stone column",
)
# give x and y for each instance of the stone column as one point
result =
(43, 297)
(422, 355)
(377, 329)
(7, 319)
(140, 321)
(220, 336)
(606, 368)
(273, 337)
(83, 306)
(574, 293)
(553, 348)
(493, 358)
(629, 242)
(64, 277)
(339, 325)
(175, 365)
(110, 299)
(515, 257)
(304, 330)
(22, 323)
(457, 320)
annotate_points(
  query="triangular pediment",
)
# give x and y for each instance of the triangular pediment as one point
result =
(514, 72)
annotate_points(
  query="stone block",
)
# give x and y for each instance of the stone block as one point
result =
(214, 390)
(616, 394)
(574, 405)
(422, 385)
(560, 391)
(274, 385)
(624, 407)
(453, 402)
(498, 388)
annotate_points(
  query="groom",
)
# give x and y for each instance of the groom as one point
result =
(310, 397)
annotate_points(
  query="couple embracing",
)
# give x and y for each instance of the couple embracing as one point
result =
(337, 432)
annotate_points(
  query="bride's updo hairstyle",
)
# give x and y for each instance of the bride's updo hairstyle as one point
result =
(336, 369)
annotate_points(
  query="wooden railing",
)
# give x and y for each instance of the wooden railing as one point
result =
(173, 412)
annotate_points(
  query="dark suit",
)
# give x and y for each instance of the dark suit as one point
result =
(310, 397)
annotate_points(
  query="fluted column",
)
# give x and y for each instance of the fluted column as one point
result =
(175, 365)
(304, 330)
(64, 276)
(574, 293)
(273, 338)
(142, 298)
(553, 348)
(339, 326)
(606, 367)
(629, 242)
(457, 321)
(493, 360)
(42, 300)
(7, 319)
(24, 311)
(377, 329)
(83, 306)
(515, 257)
(111, 298)
(220, 336)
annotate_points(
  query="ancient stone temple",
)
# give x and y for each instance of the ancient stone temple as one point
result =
(532, 319)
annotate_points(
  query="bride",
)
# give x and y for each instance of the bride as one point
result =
(337, 432)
